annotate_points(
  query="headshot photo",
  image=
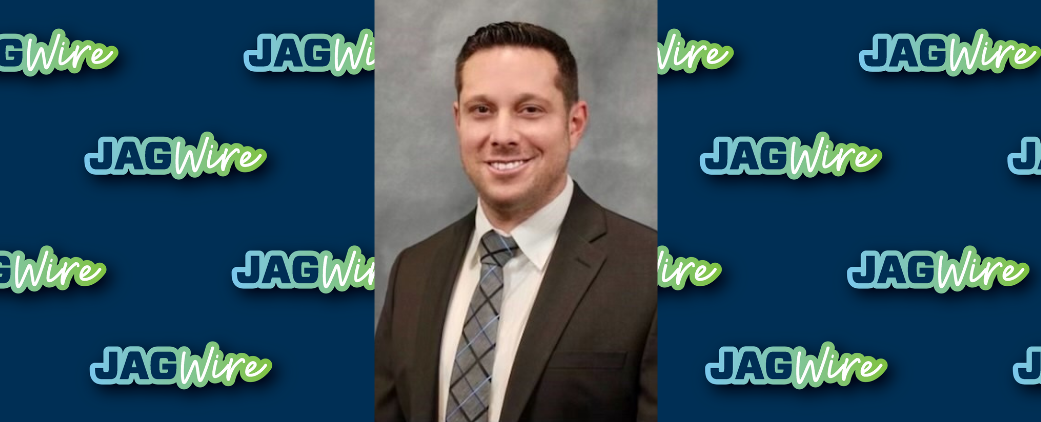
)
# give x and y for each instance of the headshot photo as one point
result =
(516, 212)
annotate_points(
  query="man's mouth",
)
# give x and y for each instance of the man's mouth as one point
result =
(502, 166)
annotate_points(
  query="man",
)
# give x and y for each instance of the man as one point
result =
(540, 305)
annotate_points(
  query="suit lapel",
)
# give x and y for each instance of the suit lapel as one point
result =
(573, 265)
(438, 291)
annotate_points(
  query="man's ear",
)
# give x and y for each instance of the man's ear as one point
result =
(578, 118)
(455, 114)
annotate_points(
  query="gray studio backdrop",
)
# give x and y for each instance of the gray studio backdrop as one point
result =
(420, 184)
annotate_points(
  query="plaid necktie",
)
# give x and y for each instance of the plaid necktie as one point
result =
(472, 373)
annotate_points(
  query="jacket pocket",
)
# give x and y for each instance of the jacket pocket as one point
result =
(587, 360)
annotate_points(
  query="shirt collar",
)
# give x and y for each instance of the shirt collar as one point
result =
(535, 236)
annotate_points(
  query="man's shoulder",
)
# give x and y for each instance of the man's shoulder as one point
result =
(449, 236)
(617, 231)
(628, 240)
(621, 226)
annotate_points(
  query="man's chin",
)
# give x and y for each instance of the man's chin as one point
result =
(500, 202)
(504, 199)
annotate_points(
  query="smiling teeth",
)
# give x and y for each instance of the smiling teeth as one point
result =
(507, 166)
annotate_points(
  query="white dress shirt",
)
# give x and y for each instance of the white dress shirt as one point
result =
(522, 275)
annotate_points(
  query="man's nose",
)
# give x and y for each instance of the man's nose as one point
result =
(504, 132)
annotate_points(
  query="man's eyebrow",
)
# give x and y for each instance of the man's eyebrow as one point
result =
(529, 96)
(524, 97)
(476, 99)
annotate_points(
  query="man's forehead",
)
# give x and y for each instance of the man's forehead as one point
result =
(513, 70)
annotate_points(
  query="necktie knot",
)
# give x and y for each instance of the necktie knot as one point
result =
(497, 249)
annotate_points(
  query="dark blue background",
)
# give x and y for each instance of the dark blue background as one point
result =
(785, 245)
(170, 244)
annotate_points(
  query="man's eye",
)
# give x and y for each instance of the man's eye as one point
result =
(530, 110)
(482, 109)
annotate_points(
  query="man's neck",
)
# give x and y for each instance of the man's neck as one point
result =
(506, 219)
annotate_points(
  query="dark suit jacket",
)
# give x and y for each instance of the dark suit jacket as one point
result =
(589, 351)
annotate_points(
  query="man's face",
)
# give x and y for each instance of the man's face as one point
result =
(515, 133)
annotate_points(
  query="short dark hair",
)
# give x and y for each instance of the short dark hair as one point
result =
(520, 34)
